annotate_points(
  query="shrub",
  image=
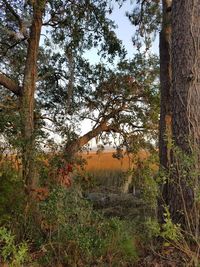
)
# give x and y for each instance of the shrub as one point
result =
(76, 234)
(11, 192)
(13, 254)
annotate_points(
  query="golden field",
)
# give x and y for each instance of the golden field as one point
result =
(96, 161)
(105, 160)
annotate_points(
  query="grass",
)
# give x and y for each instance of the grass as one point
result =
(105, 170)
(105, 161)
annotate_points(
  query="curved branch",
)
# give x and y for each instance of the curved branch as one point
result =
(74, 146)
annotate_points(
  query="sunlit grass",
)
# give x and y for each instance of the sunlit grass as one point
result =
(105, 161)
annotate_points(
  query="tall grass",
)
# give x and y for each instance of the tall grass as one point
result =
(105, 161)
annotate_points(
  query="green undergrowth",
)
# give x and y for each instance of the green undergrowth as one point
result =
(79, 235)
(64, 229)
(101, 179)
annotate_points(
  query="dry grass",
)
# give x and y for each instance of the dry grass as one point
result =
(109, 172)
(105, 161)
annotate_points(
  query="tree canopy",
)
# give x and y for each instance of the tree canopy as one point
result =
(68, 88)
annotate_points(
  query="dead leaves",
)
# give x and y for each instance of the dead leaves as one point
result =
(40, 193)
(63, 175)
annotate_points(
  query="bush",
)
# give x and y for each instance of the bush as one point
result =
(11, 192)
(76, 234)
(11, 253)
(62, 228)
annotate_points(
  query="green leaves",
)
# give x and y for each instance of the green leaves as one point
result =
(170, 231)
(14, 255)
(146, 17)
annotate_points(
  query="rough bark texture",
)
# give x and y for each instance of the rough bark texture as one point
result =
(186, 102)
(27, 99)
(165, 127)
(165, 84)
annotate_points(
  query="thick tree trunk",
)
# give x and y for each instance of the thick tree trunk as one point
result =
(27, 98)
(185, 109)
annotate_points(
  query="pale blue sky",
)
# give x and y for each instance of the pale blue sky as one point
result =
(124, 31)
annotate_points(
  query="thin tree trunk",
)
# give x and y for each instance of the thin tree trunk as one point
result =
(27, 98)
(165, 132)
(129, 180)
(165, 84)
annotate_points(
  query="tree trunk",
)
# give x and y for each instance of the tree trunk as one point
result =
(129, 179)
(27, 98)
(165, 85)
(165, 129)
(185, 109)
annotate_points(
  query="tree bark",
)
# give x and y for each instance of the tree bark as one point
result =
(10, 85)
(165, 84)
(165, 127)
(27, 99)
(185, 109)
(74, 146)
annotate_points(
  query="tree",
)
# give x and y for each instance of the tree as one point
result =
(146, 18)
(165, 84)
(122, 102)
(73, 27)
(70, 90)
(185, 109)
(165, 127)
(26, 90)
(179, 134)
(179, 117)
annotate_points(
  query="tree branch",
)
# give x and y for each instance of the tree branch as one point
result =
(10, 84)
(74, 146)
(17, 17)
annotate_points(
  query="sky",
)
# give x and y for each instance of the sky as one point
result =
(124, 31)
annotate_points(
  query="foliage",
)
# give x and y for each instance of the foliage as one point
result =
(13, 254)
(170, 231)
(151, 229)
(74, 232)
(182, 235)
(103, 178)
(118, 95)
(70, 89)
(63, 228)
(11, 191)
(144, 178)
(69, 29)
(146, 18)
